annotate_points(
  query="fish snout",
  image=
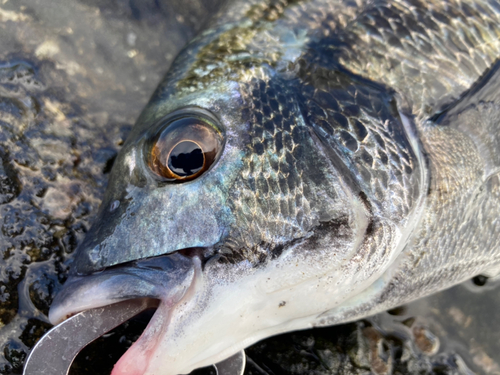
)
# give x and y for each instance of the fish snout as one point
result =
(166, 278)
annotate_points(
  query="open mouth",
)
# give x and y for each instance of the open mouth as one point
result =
(166, 278)
(161, 282)
(101, 355)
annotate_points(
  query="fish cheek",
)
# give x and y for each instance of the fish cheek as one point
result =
(267, 198)
(285, 188)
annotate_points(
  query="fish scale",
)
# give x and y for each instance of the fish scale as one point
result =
(373, 141)
(462, 203)
(357, 171)
(277, 193)
(428, 51)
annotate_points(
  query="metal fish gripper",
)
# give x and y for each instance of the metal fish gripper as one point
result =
(55, 351)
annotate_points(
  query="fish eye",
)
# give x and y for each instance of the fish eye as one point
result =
(184, 147)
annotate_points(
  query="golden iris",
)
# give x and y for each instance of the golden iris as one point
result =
(183, 148)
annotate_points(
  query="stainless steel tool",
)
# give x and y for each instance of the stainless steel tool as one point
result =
(55, 352)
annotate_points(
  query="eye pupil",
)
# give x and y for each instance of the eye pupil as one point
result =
(183, 146)
(186, 159)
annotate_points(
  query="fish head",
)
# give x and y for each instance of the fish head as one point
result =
(228, 205)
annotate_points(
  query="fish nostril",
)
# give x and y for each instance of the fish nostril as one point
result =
(109, 164)
(114, 205)
(480, 280)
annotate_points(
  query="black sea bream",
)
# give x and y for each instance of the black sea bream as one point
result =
(303, 163)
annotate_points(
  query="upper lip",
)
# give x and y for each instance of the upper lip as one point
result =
(166, 277)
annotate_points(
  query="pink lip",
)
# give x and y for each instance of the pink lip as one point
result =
(136, 359)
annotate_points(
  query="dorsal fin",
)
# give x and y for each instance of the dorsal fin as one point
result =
(477, 114)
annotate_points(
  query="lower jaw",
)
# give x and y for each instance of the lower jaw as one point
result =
(145, 351)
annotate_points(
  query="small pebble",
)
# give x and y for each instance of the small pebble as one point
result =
(425, 340)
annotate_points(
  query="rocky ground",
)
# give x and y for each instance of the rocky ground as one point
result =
(74, 75)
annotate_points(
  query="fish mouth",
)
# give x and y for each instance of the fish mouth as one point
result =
(166, 280)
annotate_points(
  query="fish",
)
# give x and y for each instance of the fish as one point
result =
(303, 163)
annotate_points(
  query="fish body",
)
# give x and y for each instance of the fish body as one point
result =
(354, 169)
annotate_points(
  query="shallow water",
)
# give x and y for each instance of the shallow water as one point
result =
(74, 76)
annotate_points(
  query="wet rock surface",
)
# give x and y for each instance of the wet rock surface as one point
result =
(74, 75)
